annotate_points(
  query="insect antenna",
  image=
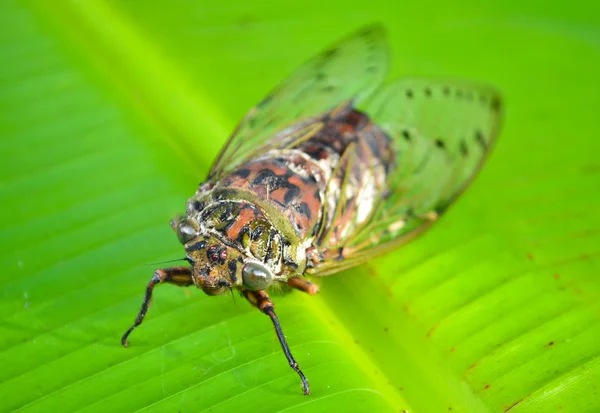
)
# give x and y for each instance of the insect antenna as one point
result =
(166, 262)
(233, 297)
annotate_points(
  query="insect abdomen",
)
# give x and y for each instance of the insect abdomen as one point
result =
(356, 156)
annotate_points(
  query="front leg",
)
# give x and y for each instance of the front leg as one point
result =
(181, 276)
(261, 300)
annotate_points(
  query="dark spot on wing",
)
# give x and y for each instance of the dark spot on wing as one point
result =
(446, 91)
(440, 144)
(464, 150)
(406, 135)
(427, 92)
(440, 209)
(480, 139)
(367, 31)
(495, 104)
(409, 94)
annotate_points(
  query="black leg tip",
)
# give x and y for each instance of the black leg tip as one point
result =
(305, 387)
(125, 336)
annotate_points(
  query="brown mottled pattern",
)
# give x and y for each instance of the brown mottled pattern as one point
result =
(371, 155)
(296, 196)
(296, 186)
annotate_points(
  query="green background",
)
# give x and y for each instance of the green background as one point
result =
(110, 115)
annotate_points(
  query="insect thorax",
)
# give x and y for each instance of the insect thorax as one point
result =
(240, 222)
(278, 205)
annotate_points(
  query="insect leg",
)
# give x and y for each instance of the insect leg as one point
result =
(181, 276)
(261, 300)
(303, 285)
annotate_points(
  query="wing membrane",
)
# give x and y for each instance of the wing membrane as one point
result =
(350, 70)
(441, 132)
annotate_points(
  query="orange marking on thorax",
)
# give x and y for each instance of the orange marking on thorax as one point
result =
(245, 217)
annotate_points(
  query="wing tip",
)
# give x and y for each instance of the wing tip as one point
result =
(374, 28)
(374, 32)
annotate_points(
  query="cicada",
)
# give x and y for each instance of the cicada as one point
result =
(331, 169)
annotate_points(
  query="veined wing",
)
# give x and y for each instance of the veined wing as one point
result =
(441, 134)
(350, 70)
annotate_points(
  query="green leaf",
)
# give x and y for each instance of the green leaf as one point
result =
(111, 113)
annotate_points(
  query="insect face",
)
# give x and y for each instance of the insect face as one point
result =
(216, 267)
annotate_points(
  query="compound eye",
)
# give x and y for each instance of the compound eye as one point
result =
(256, 276)
(187, 229)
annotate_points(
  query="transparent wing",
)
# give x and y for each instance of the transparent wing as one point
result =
(441, 134)
(350, 70)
